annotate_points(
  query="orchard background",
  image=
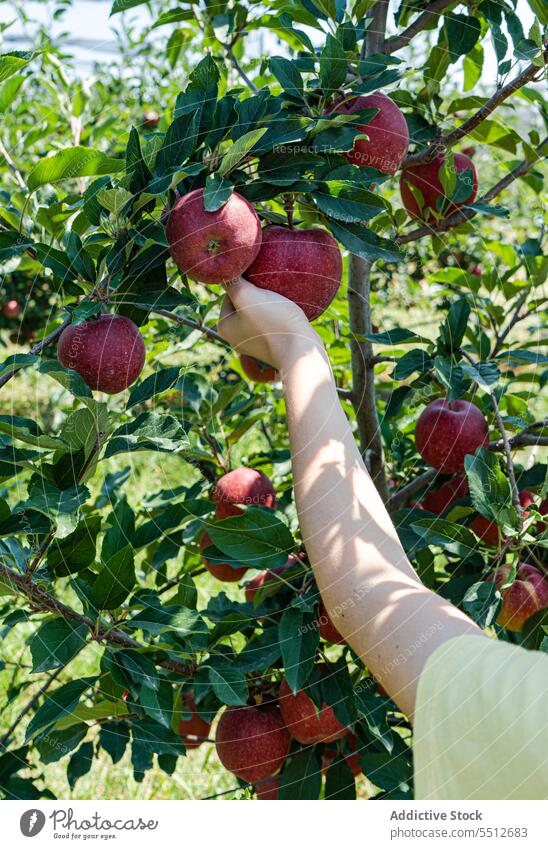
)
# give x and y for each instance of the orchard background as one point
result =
(109, 618)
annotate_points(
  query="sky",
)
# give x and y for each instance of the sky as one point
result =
(88, 21)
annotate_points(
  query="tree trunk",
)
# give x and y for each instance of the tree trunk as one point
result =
(359, 307)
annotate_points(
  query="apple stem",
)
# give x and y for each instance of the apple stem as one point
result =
(288, 207)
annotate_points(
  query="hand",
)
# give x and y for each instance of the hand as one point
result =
(265, 325)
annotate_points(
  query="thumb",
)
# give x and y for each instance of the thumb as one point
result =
(241, 292)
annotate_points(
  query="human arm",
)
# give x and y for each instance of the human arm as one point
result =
(370, 590)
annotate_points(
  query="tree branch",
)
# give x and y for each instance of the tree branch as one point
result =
(432, 11)
(502, 94)
(466, 214)
(196, 325)
(38, 348)
(401, 496)
(43, 600)
(363, 373)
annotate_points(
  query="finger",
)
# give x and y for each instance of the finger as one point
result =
(226, 318)
(242, 293)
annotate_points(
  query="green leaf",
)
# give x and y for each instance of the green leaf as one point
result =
(489, 209)
(363, 242)
(55, 643)
(61, 506)
(77, 550)
(27, 430)
(373, 710)
(239, 150)
(488, 486)
(482, 602)
(158, 703)
(17, 361)
(333, 65)
(453, 330)
(229, 683)
(114, 737)
(414, 360)
(80, 764)
(396, 336)
(57, 743)
(13, 244)
(339, 781)
(123, 5)
(61, 702)
(298, 638)
(301, 777)
(115, 581)
(258, 538)
(452, 537)
(451, 375)
(216, 192)
(462, 33)
(12, 63)
(356, 206)
(288, 76)
(71, 163)
(156, 383)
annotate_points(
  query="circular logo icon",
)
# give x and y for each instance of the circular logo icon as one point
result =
(32, 822)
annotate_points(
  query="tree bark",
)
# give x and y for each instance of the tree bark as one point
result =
(359, 308)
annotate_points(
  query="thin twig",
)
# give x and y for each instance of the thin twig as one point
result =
(38, 348)
(401, 496)
(45, 601)
(502, 94)
(188, 322)
(432, 11)
(514, 318)
(509, 462)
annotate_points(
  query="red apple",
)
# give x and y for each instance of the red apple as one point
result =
(469, 151)
(107, 352)
(242, 486)
(302, 265)
(268, 576)
(11, 309)
(303, 721)
(194, 729)
(221, 571)
(268, 788)
(426, 179)
(388, 135)
(327, 630)
(252, 742)
(258, 371)
(476, 271)
(439, 500)
(485, 530)
(543, 510)
(447, 431)
(527, 595)
(213, 247)
(150, 119)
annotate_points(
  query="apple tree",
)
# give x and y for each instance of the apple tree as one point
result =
(152, 625)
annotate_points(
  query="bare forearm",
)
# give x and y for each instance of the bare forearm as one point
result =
(367, 583)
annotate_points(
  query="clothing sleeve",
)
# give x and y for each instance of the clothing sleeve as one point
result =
(481, 722)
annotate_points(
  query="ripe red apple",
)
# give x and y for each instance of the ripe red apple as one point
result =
(150, 119)
(527, 595)
(252, 742)
(327, 630)
(469, 151)
(302, 265)
(388, 135)
(426, 178)
(107, 352)
(194, 729)
(213, 247)
(488, 531)
(268, 576)
(476, 271)
(11, 309)
(303, 721)
(447, 431)
(543, 510)
(268, 788)
(439, 500)
(352, 758)
(242, 486)
(221, 571)
(258, 371)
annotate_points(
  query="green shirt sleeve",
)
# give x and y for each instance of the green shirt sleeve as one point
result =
(481, 722)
